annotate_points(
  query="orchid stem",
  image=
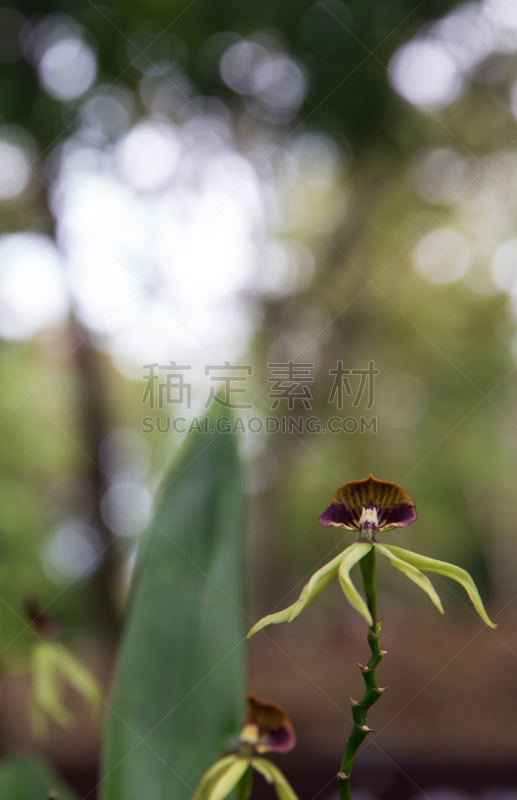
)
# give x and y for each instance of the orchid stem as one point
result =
(360, 729)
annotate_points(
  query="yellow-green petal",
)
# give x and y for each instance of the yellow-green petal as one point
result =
(53, 664)
(47, 690)
(352, 556)
(229, 779)
(283, 788)
(412, 573)
(318, 582)
(77, 675)
(211, 775)
(427, 564)
(262, 765)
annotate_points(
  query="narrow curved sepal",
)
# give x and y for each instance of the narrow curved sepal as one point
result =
(52, 666)
(412, 573)
(352, 556)
(79, 676)
(318, 582)
(427, 564)
(211, 776)
(228, 780)
(393, 505)
(272, 774)
(47, 690)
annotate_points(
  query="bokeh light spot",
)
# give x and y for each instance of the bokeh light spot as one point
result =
(32, 291)
(442, 256)
(425, 74)
(14, 169)
(72, 552)
(148, 155)
(504, 265)
(67, 69)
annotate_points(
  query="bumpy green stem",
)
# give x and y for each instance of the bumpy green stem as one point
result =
(360, 729)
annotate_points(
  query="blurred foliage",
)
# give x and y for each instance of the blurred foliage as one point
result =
(177, 697)
(445, 350)
(54, 666)
(27, 778)
(352, 102)
(39, 433)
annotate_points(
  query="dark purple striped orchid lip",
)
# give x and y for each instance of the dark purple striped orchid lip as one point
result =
(267, 728)
(369, 506)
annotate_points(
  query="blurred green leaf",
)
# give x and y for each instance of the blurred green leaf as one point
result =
(24, 778)
(179, 685)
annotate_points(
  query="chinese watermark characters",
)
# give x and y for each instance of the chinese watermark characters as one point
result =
(289, 388)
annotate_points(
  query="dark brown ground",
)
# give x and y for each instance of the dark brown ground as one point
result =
(449, 718)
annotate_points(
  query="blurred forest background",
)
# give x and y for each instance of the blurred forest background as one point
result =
(207, 182)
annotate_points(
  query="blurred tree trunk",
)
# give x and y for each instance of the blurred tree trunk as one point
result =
(94, 418)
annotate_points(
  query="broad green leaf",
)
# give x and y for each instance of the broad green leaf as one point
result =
(318, 582)
(353, 555)
(229, 779)
(413, 574)
(179, 688)
(23, 778)
(283, 788)
(449, 571)
(211, 775)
